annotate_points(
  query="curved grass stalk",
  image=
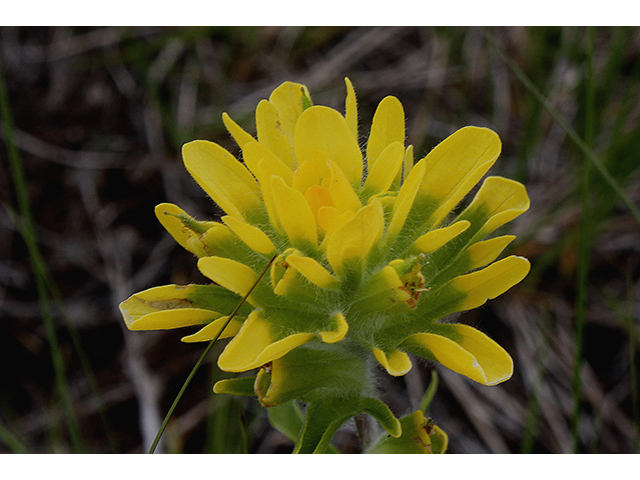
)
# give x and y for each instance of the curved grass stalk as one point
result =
(27, 228)
(203, 356)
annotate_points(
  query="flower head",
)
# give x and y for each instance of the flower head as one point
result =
(369, 254)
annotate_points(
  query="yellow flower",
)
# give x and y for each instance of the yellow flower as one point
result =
(369, 254)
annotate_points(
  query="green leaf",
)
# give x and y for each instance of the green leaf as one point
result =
(287, 419)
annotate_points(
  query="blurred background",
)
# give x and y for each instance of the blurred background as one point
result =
(92, 124)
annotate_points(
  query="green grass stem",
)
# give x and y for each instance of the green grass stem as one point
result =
(633, 371)
(26, 226)
(11, 440)
(430, 392)
(200, 361)
(584, 251)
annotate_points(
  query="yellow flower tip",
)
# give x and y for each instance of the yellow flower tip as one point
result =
(490, 282)
(383, 173)
(342, 327)
(433, 240)
(254, 153)
(294, 214)
(352, 242)
(396, 363)
(184, 229)
(342, 194)
(162, 308)
(212, 330)
(351, 108)
(223, 177)
(252, 236)
(387, 127)
(404, 201)
(325, 130)
(313, 271)
(241, 137)
(232, 275)
(470, 353)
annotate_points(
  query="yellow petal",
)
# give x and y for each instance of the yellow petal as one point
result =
(313, 271)
(294, 213)
(328, 214)
(264, 175)
(387, 128)
(183, 228)
(241, 137)
(168, 306)
(287, 99)
(396, 363)
(256, 345)
(343, 196)
(485, 252)
(351, 108)
(499, 200)
(404, 202)
(433, 240)
(472, 354)
(323, 129)
(490, 282)
(384, 170)
(305, 176)
(210, 331)
(224, 179)
(255, 238)
(270, 132)
(232, 275)
(456, 165)
(352, 242)
(220, 241)
(318, 197)
(254, 153)
(341, 327)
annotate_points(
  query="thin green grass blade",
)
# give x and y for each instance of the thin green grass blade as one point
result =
(244, 442)
(11, 440)
(53, 293)
(26, 226)
(633, 371)
(584, 252)
(589, 153)
(200, 361)
(84, 359)
(430, 392)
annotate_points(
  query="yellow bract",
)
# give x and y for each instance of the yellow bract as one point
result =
(387, 128)
(473, 354)
(232, 275)
(396, 363)
(324, 129)
(224, 179)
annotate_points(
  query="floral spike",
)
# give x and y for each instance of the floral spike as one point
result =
(364, 268)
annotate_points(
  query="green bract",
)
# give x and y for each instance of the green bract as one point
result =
(368, 258)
